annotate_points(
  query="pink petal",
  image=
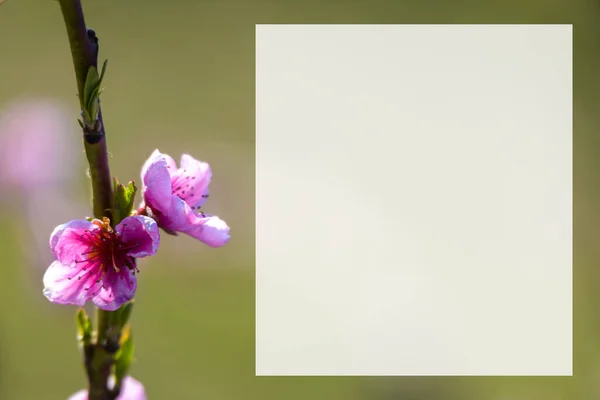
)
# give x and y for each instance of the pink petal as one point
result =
(115, 289)
(106, 276)
(178, 216)
(191, 181)
(141, 232)
(157, 154)
(156, 181)
(209, 229)
(171, 165)
(70, 279)
(36, 148)
(64, 284)
(66, 243)
(131, 389)
(71, 285)
(81, 395)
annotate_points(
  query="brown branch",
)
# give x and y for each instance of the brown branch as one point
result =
(84, 49)
(99, 355)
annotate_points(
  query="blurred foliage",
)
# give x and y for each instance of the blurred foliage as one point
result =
(182, 80)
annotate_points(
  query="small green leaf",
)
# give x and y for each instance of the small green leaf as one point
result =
(91, 94)
(93, 108)
(84, 327)
(125, 313)
(124, 356)
(120, 317)
(95, 96)
(116, 212)
(124, 198)
(104, 65)
(91, 83)
(87, 118)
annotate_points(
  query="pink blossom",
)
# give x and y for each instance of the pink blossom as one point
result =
(39, 155)
(95, 262)
(131, 389)
(174, 195)
(36, 144)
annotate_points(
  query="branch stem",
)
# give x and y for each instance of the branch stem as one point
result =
(84, 49)
(99, 355)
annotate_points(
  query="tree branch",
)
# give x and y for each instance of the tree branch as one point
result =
(84, 49)
(98, 356)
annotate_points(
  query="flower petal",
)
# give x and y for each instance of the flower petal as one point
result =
(35, 148)
(81, 395)
(191, 181)
(131, 389)
(207, 228)
(115, 288)
(140, 232)
(157, 154)
(156, 181)
(66, 240)
(210, 229)
(74, 286)
(65, 284)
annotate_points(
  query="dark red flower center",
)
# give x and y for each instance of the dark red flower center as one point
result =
(107, 257)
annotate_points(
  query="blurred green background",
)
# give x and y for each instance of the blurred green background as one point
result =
(181, 79)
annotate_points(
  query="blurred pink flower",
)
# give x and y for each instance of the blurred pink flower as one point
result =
(131, 389)
(36, 144)
(39, 156)
(95, 262)
(44, 209)
(173, 194)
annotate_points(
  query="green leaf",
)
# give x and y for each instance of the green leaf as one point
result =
(103, 71)
(118, 321)
(120, 317)
(125, 313)
(124, 356)
(91, 93)
(116, 217)
(124, 198)
(91, 82)
(84, 327)
(93, 108)
(95, 96)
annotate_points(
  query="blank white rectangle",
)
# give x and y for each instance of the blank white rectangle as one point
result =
(414, 200)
